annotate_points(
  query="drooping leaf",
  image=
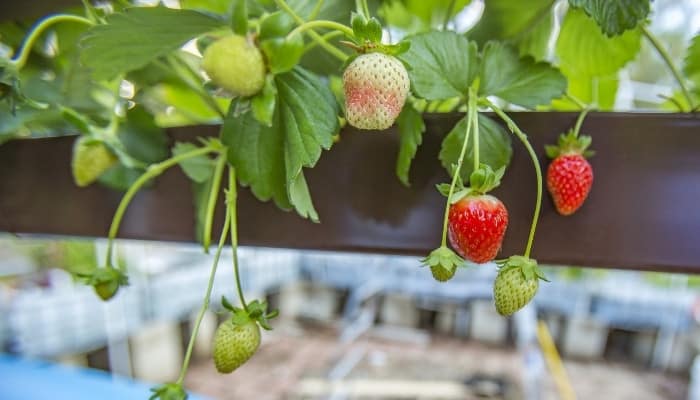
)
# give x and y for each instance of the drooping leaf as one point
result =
(615, 17)
(494, 146)
(526, 24)
(520, 81)
(142, 138)
(583, 49)
(691, 63)
(200, 192)
(420, 15)
(436, 70)
(270, 158)
(199, 168)
(411, 127)
(133, 38)
(598, 91)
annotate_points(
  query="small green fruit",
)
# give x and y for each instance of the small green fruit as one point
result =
(91, 159)
(235, 64)
(516, 284)
(442, 274)
(234, 344)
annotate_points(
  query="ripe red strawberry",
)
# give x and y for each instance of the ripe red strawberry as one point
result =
(569, 175)
(477, 224)
(376, 86)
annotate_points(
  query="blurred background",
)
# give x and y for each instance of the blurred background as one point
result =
(357, 326)
(354, 326)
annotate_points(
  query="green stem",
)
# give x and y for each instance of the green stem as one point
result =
(316, 10)
(334, 51)
(448, 16)
(365, 9)
(213, 197)
(523, 138)
(326, 37)
(455, 176)
(152, 172)
(232, 193)
(576, 101)
(36, 32)
(475, 121)
(321, 24)
(579, 121)
(205, 303)
(669, 63)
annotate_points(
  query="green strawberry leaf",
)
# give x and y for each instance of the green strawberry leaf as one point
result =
(436, 73)
(199, 168)
(615, 17)
(239, 18)
(276, 24)
(411, 128)
(142, 138)
(270, 158)
(526, 24)
(420, 15)
(494, 147)
(599, 91)
(133, 38)
(283, 53)
(263, 104)
(583, 49)
(520, 81)
(691, 63)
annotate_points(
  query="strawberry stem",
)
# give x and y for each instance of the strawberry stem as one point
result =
(456, 172)
(321, 24)
(538, 172)
(475, 121)
(211, 203)
(579, 121)
(362, 8)
(205, 303)
(151, 172)
(332, 50)
(231, 209)
(36, 32)
(671, 66)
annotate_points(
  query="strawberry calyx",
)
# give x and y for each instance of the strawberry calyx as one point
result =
(527, 266)
(570, 143)
(105, 281)
(168, 391)
(368, 38)
(483, 180)
(443, 263)
(255, 311)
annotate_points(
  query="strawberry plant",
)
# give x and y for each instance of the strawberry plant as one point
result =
(283, 78)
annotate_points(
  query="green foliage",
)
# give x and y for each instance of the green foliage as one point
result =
(526, 24)
(615, 17)
(435, 71)
(270, 158)
(420, 15)
(691, 64)
(494, 147)
(139, 35)
(584, 50)
(520, 81)
(411, 128)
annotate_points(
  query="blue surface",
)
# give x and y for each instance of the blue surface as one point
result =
(28, 379)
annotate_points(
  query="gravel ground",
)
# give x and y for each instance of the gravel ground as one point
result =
(300, 362)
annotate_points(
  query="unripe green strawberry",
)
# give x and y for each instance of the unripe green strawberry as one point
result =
(169, 391)
(236, 65)
(91, 159)
(442, 274)
(234, 343)
(516, 284)
(376, 86)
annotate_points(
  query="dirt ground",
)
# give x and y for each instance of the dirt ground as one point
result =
(298, 362)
